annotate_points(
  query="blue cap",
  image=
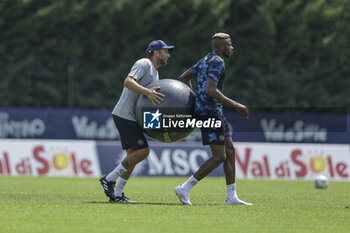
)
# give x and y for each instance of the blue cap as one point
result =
(157, 45)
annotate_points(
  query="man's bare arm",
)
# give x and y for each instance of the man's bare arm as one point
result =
(186, 78)
(150, 93)
(212, 91)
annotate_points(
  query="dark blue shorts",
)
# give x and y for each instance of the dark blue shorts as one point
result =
(131, 134)
(216, 136)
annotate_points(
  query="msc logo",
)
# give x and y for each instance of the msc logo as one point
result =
(151, 120)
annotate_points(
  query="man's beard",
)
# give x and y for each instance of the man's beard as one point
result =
(161, 61)
(226, 55)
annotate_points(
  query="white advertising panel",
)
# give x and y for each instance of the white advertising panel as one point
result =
(74, 158)
(49, 158)
(292, 161)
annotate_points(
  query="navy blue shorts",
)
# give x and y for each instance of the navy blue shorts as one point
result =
(216, 136)
(131, 134)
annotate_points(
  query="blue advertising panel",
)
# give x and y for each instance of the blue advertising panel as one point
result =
(291, 127)
(24, 123)
(174, 159)
(98, 125)
(57, 124)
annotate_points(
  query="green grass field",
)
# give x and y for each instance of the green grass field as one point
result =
(79, 205)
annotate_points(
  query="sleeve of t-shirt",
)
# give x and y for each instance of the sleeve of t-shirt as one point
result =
(139, 69)
(216, 69)
(194, 69)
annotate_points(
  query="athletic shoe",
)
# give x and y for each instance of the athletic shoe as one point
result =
(108, 187)
(183, 196)
(236, 201)
(121, 198)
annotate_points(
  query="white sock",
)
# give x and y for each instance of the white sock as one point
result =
(188, 185)
(113, 175)
(120, 187)
(231, 191)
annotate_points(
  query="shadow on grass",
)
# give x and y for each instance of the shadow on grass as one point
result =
(143, 203)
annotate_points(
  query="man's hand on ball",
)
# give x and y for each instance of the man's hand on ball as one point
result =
(155, 96)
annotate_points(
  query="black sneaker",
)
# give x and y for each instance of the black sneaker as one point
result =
(108, 187)
(122, 199)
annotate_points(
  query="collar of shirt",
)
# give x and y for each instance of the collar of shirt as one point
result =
(214, 53)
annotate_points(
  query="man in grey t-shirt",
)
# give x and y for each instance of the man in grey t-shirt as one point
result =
(143, 72)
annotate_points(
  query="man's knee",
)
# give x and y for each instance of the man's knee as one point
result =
(219, 159)
(230, 149)
(143, 153)
(219, 155)
(230, 152)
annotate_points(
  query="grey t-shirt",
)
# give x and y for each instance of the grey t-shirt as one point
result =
(144, 72)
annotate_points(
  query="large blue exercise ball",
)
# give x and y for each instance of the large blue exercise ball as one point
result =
(178, 102)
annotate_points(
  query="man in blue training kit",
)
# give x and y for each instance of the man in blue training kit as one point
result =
(210, 73)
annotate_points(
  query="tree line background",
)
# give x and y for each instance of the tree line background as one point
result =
(77, 53)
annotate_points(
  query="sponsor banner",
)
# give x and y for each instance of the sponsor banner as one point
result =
(57, 124)
(253, 160)
(292, 161)
(23, 123)
(291, 127)
(98, 124)
(48, 158)
(165, 159)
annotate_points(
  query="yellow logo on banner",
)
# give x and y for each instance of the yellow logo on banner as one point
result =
(60, 161)
(318, 164)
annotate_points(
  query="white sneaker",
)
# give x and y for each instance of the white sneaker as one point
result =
(236, 201)
(183, 196)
